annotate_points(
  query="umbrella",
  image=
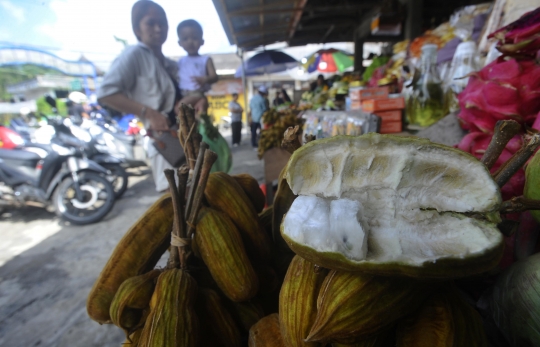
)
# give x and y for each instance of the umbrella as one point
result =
(328, 60)
(267, 62)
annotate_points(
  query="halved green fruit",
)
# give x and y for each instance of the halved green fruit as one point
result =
(392, 205)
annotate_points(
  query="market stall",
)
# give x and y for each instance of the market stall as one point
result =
(372, 239)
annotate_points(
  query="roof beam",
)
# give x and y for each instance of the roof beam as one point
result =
(257, 11)
(296, 18)
(260, 41)
(276, 7)
(264, 30)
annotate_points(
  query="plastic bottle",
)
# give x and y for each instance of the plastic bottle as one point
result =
(425, 106)
(463, 63)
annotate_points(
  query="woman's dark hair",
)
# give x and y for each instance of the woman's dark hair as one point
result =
(139, 10)
(234, 94)
(189, 23)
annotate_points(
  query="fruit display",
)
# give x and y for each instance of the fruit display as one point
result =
(520, 38)
(409, 199)
(504, 89)
(365, 245)
(275, 125)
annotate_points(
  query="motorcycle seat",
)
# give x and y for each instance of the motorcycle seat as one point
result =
(19, 155)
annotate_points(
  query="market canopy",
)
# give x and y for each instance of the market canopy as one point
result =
(253, 23)
(267, 62)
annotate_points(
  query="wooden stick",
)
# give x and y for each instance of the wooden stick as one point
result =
(290, 141)
(505, 130)
(196, 138)
(508, 169)
(183, 130)
(174, 260)
(183, 174)
(209, 159)
(195, 178)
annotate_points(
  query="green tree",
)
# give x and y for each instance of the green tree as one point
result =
(19, 73)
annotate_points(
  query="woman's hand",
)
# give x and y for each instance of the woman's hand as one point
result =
(158, 121)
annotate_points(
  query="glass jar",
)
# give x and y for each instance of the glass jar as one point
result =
(425, 105)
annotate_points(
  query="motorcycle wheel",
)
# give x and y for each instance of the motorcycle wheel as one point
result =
(97, 202)
(118, 178)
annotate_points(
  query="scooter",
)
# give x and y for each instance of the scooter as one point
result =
(120, 144)
(96, 148)
(58, 178)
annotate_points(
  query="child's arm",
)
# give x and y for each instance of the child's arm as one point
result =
(211, 77)
(211, 71)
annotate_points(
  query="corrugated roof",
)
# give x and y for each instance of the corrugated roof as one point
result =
(252, 23)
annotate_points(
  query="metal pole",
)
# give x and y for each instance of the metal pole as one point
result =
(240, 53)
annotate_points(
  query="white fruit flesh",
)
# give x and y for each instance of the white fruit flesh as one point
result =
(387, 199)
(370, 231)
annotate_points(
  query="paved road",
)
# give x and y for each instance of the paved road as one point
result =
(48, 267)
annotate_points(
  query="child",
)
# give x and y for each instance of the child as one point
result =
(196, 72)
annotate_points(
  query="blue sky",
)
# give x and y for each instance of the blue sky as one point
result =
(73, 27)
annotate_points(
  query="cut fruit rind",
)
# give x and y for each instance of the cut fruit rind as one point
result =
(392, 205)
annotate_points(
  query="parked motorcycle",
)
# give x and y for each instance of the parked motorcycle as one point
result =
(63, 132)
(58, 177)
(120, 144)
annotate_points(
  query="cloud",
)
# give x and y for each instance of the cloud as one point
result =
(13, 10)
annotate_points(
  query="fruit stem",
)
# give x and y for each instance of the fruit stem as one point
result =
(508, 169)
(519, 204)
(209, 159)
(196, 174)
(291, 142)
(505, 130)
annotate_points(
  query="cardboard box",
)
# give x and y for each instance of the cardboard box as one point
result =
(391, 127)
(389, 116)
(356, 105)
(373, 105)
(368, 93)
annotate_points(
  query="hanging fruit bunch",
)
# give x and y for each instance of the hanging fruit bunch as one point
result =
(275, 124)
(219, 279)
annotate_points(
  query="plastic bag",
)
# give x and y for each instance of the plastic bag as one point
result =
(217, 144)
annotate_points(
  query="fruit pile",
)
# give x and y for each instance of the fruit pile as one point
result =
(216, 289)
(380, 225)
(275, 124)
(363, 246)
(506, 89)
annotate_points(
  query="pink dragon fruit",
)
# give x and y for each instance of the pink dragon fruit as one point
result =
(504, 89)
(520, 38)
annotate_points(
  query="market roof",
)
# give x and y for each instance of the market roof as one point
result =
(252, 23)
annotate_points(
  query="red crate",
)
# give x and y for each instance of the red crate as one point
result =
(373, 105)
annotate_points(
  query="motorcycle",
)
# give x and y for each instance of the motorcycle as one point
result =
(120, 144)
(97, 147)
(53, 176)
